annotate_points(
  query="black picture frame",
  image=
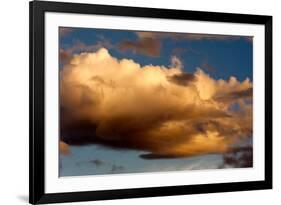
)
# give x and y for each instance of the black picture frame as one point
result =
(37, 194)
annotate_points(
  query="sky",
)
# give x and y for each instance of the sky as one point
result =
(137, 101)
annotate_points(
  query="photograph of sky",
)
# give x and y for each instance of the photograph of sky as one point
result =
(144, 101)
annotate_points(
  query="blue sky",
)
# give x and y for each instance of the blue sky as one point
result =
(218, 56)
(227, 57)
(81, 161)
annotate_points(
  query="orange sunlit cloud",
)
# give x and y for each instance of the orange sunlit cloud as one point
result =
(64, 148)
(161, 110)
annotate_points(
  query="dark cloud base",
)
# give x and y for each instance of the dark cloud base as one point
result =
(238, 157)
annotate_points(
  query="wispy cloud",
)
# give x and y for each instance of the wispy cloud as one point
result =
(97, 162)
(147, 46)
(117, 168)
(65, 30)
(208, 67)
(149, 43)
(190, 36)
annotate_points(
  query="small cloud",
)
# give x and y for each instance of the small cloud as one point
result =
(234, 95)
(238, 157)
(65, 30)
(188, 36)
(64, 56)
(197, 37)
(208, 67)
(116, 168)
(151, 156)
(97, 162)
(64, 148)
(176, 62)
(182, 79)
(80, 47)
(146, 46)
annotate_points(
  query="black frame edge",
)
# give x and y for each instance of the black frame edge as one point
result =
(36, 103)
(152, 192)
(268, 102)
(145, 12)
(31, 171)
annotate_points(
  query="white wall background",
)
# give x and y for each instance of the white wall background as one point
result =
(14, 100)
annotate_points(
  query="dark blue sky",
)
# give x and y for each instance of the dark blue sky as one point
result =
(226, 56)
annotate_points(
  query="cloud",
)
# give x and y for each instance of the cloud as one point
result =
(176, 62)
(149, 43)
(161, 110)
(64, 148)
(116, 168)
(80, 47)
(237, 94)
(65, 30)
(97, 162)
(238, 157)
(207, 67)
(65, 54)
(189, 36)
(146, 46)
(182, 79)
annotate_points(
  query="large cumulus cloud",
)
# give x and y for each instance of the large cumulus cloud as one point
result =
(161, 110)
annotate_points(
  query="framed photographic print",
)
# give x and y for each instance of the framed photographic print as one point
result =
(140, 102)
